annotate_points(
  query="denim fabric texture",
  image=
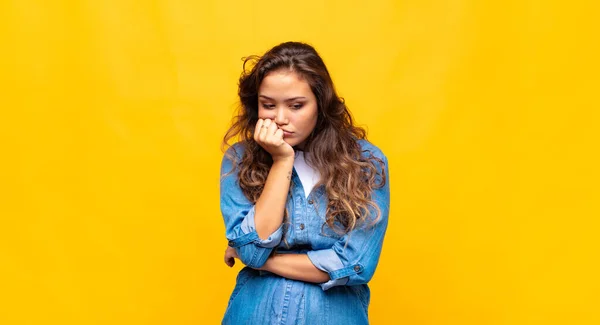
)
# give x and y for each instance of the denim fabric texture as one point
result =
(261, 297)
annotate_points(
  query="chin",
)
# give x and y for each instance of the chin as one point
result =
(291, 142)
(295, 144)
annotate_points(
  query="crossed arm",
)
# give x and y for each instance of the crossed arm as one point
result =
(253, 233)
(266, 222)
(291, 266)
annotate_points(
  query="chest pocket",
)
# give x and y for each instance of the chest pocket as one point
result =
(326, 231)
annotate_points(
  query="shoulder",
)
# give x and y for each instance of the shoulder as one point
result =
(231, 158)
(235, 152)
(369, 149)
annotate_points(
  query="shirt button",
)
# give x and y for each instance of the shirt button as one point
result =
(356, 268)
(310, 201)
(301, 226)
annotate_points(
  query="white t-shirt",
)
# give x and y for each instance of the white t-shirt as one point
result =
(308, 175)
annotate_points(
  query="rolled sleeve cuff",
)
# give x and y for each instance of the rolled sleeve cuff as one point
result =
(248, 227)
(328, 261)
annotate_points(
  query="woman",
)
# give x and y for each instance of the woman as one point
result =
(304, 196)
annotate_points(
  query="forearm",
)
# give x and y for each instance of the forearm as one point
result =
(295, 267)
(270, 206)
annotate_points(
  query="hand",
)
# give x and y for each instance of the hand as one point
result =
(230, 256)
(270, 137)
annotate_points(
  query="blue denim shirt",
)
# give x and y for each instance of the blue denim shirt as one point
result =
(261, 297)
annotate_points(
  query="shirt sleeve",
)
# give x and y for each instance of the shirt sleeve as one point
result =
(238, 214)
(353, 258)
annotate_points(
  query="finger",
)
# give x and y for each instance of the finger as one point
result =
(271, 131)
(279, 136)
(230, 262)
(257, 128)
(263, 130)
(267, 122)
(229, 255)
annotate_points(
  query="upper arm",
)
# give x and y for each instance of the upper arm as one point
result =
(238, 215)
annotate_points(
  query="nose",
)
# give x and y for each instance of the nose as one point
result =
(281, 116)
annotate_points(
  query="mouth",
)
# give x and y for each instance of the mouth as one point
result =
(287, 134)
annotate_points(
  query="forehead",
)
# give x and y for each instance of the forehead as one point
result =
(282, 84)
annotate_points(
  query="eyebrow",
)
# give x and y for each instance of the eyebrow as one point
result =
(287, 100)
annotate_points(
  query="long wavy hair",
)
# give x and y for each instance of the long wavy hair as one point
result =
(349, 177)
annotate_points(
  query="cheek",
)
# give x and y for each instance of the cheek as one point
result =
(307, 123)
(312, 118)
(264, 114)
(261, 112)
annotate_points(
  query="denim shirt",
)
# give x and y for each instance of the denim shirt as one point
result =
(261, 297)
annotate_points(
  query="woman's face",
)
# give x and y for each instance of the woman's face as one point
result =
(286, 99)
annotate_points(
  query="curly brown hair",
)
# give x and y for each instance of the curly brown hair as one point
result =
(349, 176)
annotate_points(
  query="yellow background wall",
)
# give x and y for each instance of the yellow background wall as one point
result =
(113, 112)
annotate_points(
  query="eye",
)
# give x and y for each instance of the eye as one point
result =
(268, 106)
(298, 106)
